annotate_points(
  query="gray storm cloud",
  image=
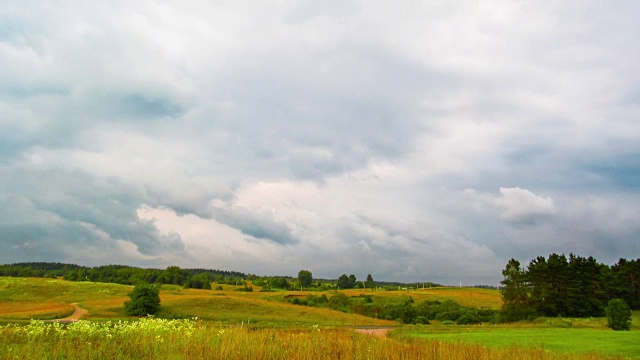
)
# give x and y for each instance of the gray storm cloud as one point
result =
(427, 142)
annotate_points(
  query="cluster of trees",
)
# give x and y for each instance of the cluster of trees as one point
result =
(406, 311)
(568, 287)
(126, 275)
(350, 282)
(305, 281)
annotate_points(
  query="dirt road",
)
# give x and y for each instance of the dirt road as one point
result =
(78, 314)
(374, 331)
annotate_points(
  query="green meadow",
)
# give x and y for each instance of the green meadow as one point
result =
(222, 324)
(560, 340)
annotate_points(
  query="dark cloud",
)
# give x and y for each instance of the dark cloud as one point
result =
(258, 224)
(50, 213)
(434, 141)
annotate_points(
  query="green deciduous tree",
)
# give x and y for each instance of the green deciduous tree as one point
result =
(278, 283)
(343, 281)
(145, 300)
(352, 281)
(305, 278)
(618, 315)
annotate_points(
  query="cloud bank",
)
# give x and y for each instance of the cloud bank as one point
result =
(429, 142)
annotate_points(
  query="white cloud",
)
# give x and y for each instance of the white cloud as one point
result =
(346, 131)
(518, 205)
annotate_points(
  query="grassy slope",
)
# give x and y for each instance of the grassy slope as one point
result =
(24, 298)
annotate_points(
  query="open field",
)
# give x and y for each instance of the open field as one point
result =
(187, 339)
(562, 340)
(27, 298)
(281, 324)
(470, 297)
(26, 310)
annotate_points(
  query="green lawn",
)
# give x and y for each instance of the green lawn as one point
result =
(605, 342)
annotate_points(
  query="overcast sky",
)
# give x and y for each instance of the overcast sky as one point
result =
(430, 141)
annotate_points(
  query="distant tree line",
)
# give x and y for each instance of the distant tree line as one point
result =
(126, 275)
(405, 311)
(570, 287)
(196, 278)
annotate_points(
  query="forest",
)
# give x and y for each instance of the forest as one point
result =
(572, 286)
(123, 274)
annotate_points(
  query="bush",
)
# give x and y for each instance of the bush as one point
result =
(422, 320)
(618, 315)
(448, 316)
(145, 300)
(468, 319)
(339, 301)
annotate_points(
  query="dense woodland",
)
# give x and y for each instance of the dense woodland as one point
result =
(191, 278)
(570, 287)
(126, 275)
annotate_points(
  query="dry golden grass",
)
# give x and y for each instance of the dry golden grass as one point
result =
(471, 297)
(184, 339)
(225, 306)
(237, 308)
(105, 308)
(25, 310)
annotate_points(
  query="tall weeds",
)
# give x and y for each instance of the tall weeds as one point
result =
(189, 339)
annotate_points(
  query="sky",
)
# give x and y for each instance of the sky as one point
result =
(415, 141)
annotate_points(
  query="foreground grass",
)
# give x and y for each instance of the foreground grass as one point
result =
(560, 340)
(188, 339)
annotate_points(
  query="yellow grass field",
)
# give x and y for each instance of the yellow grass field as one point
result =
(25, 310)
(477, 298)
(254, 321)
(51, 299)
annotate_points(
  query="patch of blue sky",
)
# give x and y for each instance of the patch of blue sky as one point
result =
(623, 171)
(140, 106)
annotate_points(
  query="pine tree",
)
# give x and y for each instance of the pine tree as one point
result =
(515, 294)
(369, 282)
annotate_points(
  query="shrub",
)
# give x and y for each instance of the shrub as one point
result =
(618, 315)
(339, 301)
(468, 319)
(448, 316)
(145, 300)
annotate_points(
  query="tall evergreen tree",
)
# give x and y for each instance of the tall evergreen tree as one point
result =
(369, 283)
(558, 274)
(540, 282)
(627, 281)
(515, 294)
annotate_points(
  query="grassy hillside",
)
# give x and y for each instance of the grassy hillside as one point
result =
(38, 298)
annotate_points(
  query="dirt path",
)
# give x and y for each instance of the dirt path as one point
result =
(374, 331)
(77, 315)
